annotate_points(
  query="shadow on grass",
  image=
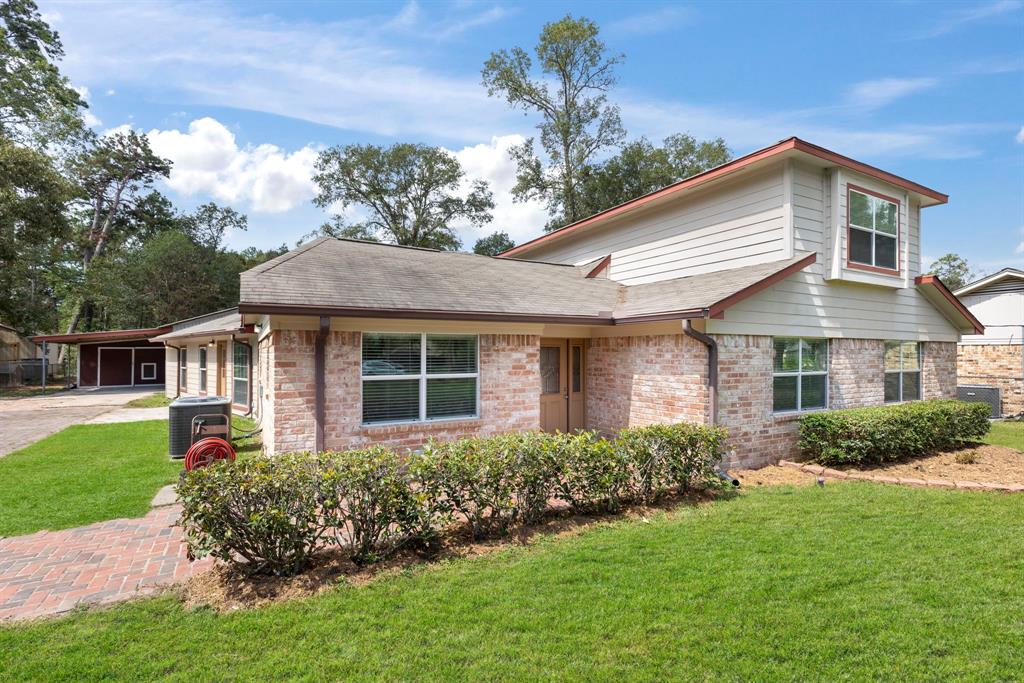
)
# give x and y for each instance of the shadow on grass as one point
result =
(225, 588)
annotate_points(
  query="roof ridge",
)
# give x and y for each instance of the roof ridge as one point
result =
(288, 256)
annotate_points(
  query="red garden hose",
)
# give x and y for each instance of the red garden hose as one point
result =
(206, 451)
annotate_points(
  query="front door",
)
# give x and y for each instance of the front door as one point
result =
(554, 391)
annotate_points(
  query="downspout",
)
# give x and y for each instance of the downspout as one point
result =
(712, 366)
(319, 370)
(177, 365)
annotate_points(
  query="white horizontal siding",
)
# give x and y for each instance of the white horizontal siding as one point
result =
(737, 224)
(1002, 314)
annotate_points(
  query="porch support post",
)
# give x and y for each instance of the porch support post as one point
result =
(712, 345)
(319, 371)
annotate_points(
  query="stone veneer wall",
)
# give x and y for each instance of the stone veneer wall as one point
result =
(636, 381)
(509, 390)
(1000, 365)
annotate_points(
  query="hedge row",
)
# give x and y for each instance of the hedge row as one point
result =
(270, 514)
(883, 434)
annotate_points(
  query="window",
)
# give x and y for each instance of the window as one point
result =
(240, 375)
(800, 380)
(419, 377)
(902, 371)
(874, 230)
(577, 369)
(182, 369)
(202, 369)
(148, 371)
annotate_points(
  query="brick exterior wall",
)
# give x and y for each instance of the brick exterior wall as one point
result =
(637, 381)
(1000, 365)
(856, 373)
(938, 370)
(509, 390)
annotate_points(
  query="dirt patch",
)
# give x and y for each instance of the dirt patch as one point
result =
(225, 589)
(991, 464)
(773, 475)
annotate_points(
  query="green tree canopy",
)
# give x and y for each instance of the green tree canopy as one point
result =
(953, 270)
(568, 88)
(410, 192)
(493, 244)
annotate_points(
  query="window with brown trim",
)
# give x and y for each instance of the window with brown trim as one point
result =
(873, 230)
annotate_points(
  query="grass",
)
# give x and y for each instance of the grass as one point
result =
(150, 401)
(89, 473)
(846, 582)
(1009, 433)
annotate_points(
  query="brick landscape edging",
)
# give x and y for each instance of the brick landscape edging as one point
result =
(903, 481)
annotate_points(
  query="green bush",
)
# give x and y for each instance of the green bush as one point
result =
(663, 457)
(591, 473)
(887, 433)
(262, 514)
(368, 503)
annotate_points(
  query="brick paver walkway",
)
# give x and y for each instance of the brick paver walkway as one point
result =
(50, 572)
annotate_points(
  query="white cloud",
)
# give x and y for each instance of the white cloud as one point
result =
(91, 120)
(1019, 137)
(956, 19)
(1020, 247)
(208, 161)
(877, 93)
(648, 23)
(110, 92)
(491, 162)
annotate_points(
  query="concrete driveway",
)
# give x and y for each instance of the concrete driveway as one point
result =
(26, 420)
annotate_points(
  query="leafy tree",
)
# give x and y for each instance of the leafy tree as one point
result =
(953, 270)
(641, 168)
(569, 90)
(112, 173)
(493, 244)
(210, 223)
(410, 192)
(37, 104)
(33, 226)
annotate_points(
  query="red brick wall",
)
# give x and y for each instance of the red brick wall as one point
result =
(509, 390)
(1000, 365)
(938, 370)
(636, 381)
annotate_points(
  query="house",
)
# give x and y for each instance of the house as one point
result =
(782, 282)
(21, 358)
(210, 355)
(996, 358)
(114, 358)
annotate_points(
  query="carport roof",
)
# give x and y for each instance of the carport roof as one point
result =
(105, 335)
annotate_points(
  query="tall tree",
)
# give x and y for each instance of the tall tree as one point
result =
(641, 168)
(493, 244)
(410, 192)
(209, 224)
(953, 270)
(33, 226)
(112, 173)
(569, 90)
(38, 106)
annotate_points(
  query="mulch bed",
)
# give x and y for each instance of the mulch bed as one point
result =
(995, 464)
(225, 589)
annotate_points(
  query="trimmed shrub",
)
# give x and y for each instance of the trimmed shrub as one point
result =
(887, 433)
(368, 503)
(662, 457)
(592, 475)
(264, 511)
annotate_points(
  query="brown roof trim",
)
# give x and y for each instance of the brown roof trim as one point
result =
(793, 143)
(934, 281)
(718, 308)
(404, 313)
(106, 335)
(606, 262)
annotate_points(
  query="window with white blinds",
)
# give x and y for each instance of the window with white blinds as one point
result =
(419, 377)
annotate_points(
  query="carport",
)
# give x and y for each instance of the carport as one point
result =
(115, 358)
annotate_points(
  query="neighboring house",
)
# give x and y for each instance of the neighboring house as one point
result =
(210, 355)
(21, 359)
(114, 358)
(996, 358)
(785, 281)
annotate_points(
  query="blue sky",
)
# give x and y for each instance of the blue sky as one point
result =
(241, 96)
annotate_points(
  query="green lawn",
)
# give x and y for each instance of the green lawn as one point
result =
(150, 401)
(851, 581)
(88, 473)
(1009, 433)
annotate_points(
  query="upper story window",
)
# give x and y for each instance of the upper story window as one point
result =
(902, 371)
(874, 230)
(800, 376)
(419, 377)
